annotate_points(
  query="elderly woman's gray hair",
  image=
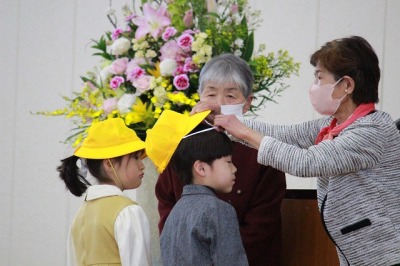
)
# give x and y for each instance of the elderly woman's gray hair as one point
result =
(228, 68)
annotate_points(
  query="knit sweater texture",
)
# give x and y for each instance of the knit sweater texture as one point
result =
(358, 181)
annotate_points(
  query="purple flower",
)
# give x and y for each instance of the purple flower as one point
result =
(116, 82)
(181, 82)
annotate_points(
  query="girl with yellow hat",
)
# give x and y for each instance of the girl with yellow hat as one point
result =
(109, 227)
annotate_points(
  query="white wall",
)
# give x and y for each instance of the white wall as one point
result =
(45, 47)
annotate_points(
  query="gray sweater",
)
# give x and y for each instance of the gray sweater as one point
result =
(358, 182)
(201, 230)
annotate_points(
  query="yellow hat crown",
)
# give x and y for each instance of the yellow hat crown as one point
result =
(108, 139)
(165, 136)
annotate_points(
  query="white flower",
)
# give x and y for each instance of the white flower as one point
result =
(151, 54)
(125, 102)
(167, 67)
(239, 43)
(161, 95)
(238, 52)
(120, 46)
(105, 74)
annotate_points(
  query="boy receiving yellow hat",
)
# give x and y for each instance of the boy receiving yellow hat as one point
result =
(201, 229)
(109, 227)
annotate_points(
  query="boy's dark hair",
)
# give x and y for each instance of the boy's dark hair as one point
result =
(205, 146)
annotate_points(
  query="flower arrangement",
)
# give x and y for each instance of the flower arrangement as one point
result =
(152, 62)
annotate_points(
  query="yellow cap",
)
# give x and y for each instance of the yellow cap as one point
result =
(165, 136)
(108, 139)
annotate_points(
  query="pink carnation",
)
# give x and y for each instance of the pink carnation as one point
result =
(116, 33)
(168, 33)
(189, 66)
(181, 82)
(135, 73)
(185, 41)
(116, 82)
(179, 70)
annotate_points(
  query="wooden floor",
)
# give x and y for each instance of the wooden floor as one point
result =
(305, 242)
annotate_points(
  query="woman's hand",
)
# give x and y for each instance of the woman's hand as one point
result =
(203, 106)
(238, 130)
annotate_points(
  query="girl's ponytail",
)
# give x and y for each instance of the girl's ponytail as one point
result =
(72, 177)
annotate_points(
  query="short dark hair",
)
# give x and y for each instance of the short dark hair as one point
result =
(205, 146)
(354, 57)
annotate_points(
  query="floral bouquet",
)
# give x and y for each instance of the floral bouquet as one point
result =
(152, 62)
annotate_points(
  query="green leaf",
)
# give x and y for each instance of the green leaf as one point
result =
(249, 47)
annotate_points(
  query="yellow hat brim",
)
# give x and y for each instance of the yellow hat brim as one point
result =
(109, 152)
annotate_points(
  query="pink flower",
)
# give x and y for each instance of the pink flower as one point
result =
(116, 33)
(185, 41)
(179, 70)
(190, 31)
(188, 18)
(130, 17)
(110, 105)
(168, 33)
(189, 66)
(234, 9)
(116, 82)
(134, 63)
(142, 83)
(118, 66)
(181, 82)
(135, 73)
(170, 50)
(91, 85)
(152, 22)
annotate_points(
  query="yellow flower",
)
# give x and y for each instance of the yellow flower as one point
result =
(155, 72)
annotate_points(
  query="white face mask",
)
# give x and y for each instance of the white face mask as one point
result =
(233, 109)
(321, 98)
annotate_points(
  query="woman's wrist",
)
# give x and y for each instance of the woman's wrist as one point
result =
(252, 137)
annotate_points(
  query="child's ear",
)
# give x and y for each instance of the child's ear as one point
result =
(198, 168)
(107, 165)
